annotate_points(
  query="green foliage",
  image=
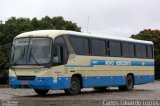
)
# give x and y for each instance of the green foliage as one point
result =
(15, 26)
(154, 36)
(150, 35)
(3, 60)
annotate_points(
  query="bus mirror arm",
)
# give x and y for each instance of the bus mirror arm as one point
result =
(11, 66)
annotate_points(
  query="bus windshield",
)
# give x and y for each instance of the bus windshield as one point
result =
(33, 51)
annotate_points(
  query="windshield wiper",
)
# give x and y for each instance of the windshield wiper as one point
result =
(31, 55)
(20, 57)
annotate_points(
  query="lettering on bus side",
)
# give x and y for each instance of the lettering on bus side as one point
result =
(109, 62)
(117, 63)
(95, 62)
(123, 63)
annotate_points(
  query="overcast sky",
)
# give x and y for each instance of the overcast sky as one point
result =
(109, 17)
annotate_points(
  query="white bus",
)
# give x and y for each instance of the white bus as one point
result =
(57, 59)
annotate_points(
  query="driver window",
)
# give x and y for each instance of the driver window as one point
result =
(59, 51)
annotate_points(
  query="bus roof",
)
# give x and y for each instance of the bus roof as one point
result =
(55, 33)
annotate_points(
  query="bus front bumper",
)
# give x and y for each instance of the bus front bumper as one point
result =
(41, 83)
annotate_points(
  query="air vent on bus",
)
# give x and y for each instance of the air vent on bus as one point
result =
(26, 77)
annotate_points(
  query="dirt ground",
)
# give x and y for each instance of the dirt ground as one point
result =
(149, 94)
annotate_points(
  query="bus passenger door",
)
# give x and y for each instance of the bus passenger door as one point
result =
(60, 54)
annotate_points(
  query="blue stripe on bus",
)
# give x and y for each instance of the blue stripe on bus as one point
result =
(115, 63)
(114, 80)
(88, 81)
(41, 83)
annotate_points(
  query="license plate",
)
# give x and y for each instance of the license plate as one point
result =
(24, 83)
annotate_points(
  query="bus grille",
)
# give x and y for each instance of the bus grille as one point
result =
(26, 77)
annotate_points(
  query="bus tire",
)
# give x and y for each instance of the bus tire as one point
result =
(103, 89)
(75, 86)
(129, 83)
(41, 92)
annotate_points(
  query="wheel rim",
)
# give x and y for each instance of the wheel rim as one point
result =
(130, 83)
(74, 85)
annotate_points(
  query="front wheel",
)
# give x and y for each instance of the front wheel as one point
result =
(41, 92)
(75, 86)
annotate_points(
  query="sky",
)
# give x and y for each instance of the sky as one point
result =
(108, 17)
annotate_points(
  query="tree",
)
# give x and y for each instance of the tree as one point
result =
(154, 36)
(14, 26)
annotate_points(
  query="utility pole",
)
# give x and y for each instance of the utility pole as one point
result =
(87, 24)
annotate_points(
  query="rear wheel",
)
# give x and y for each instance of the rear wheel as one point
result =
(75, 86)
(129, 84)
(41, 92)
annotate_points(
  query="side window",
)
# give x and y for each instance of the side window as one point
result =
(77, 44)
(141, 50)
(60, 53)
(98, 47)
(80, 45)
(102, 48)
(115, 48)
(59, 40)
(107, 47)
(95, 47)
(149, 51)
(144, 51)
(85, 47)
(127, 49)
(131, 50)
(138, 50)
